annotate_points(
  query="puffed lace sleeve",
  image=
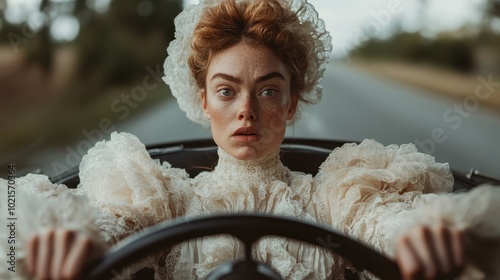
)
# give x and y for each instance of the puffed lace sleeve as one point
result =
(121, 191)
(375, 193)
(131, 190)
(34, 205)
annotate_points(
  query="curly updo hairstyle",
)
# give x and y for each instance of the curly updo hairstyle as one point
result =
(257, 22)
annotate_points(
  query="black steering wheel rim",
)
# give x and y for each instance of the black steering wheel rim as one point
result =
(248, 228)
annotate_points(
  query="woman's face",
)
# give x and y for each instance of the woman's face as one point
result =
(248, 101)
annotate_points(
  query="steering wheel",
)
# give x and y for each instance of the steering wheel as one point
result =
(248, 228)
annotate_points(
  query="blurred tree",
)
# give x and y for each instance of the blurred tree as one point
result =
(36, 45)
(112, 51)
(115, 48)
(493, 9)
(41, 49)
(488, 39)
(3, 5)
(446, 52)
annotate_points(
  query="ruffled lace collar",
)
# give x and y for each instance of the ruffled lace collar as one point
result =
(266, 168)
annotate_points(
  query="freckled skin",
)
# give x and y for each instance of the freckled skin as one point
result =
(242, 97)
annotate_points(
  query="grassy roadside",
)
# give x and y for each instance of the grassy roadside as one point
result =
(66, 124)
(455, 85)
(39, 110)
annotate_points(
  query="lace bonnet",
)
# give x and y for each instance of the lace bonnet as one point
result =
(183, 85)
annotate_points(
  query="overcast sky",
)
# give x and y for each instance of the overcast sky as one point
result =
(347, 21)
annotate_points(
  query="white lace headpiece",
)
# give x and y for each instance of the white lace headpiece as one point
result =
(183, 85)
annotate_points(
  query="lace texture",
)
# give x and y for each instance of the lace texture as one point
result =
(480, 224)
(261, 186)
(360, 186)
(140, 186)
(370, 192)
(41, 205)
(183, 85)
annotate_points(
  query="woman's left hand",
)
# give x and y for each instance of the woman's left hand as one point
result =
(430, 252)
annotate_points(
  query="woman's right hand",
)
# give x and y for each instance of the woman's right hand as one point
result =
(59, 254)
(426, 252)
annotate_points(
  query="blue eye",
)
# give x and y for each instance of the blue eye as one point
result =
(225, 92)
(269, 92)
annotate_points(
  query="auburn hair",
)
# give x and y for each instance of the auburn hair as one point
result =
(263, 22)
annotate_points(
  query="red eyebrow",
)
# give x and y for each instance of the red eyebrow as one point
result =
(259, 79)
(226, 77)
(271, 76)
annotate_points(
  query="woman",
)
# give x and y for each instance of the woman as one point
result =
(252, 64)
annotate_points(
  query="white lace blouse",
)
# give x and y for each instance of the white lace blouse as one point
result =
(367, 191)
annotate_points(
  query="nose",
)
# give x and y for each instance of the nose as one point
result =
(247, 109)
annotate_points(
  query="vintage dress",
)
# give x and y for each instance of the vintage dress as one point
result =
(368, 191)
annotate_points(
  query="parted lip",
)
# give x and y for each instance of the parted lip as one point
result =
(246, 130)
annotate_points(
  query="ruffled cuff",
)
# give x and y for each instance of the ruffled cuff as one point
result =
(476, 213)
(40, 205)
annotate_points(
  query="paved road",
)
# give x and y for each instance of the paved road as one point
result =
(356, 106)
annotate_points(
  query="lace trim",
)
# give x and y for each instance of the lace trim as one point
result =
(267, 168)
(183, 85)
